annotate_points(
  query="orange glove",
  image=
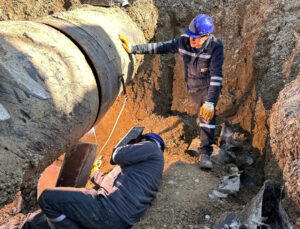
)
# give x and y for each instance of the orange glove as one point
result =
(207, 111)
(125, 43)
(96, 165)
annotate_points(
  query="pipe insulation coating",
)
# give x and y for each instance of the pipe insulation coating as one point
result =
(58, 77)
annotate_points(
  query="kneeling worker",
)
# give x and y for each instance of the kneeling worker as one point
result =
(122, 198)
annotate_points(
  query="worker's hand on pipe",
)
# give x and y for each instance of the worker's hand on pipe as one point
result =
(207, 111)
(125, 43)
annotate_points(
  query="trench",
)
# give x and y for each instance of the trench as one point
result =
(185, 134)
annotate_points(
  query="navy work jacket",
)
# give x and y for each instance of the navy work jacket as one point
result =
(202, 69)
(130, 187)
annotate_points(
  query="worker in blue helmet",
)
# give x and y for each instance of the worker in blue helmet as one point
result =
(120, 198)
(202, 56)
(156, 138)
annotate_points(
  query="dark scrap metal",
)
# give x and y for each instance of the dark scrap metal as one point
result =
(263, 211)
(77, 165)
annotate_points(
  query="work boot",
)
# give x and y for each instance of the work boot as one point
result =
(205, 162)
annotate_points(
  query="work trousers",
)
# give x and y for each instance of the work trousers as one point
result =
(206, 128)
(74, 208)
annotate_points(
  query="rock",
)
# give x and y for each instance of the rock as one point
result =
(239, 155)
(233, 170)
(194, 144)
(246, 180)
(215, 194)
(226, 134)
(193, 148)
(207, 217)
(4, 115)
(229, 153)
(229, 185)
(171, 182)
(220, 156)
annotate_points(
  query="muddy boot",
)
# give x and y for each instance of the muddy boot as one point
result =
(205, 162)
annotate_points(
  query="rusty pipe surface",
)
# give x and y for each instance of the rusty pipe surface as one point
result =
(58, 76)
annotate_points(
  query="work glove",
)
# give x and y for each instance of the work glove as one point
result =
(207, 111)
(96, 165)
(125, 43)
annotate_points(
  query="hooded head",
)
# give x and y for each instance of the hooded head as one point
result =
(156, 138)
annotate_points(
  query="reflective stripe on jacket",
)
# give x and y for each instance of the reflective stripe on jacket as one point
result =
(201, 70)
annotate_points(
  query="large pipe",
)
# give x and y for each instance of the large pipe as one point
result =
(58, 76)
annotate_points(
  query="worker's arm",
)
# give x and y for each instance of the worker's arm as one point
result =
(151, 48)
(216, 78)
(136, 153)
(156, 48)
(208, 108)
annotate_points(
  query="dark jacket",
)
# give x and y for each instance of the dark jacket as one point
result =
(201, 70)
(130, 187)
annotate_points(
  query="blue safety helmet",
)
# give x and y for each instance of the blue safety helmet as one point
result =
(200, 26)
(155, 137)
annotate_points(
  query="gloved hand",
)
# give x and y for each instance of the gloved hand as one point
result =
(125, 43)
(96, 165)
(207, 111)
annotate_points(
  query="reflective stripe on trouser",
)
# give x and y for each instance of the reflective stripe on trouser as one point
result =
(207, 128)
(77, 208)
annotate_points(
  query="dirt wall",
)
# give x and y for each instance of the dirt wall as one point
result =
(284, 140)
